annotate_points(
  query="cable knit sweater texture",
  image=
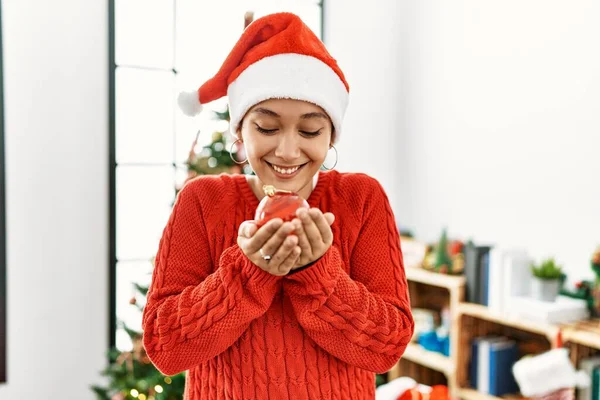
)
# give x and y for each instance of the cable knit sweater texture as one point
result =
(241, 333)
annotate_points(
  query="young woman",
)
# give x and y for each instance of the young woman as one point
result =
(305, 309)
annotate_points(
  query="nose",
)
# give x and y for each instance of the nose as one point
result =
(287, 148)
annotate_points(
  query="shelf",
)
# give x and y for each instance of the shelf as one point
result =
(482, 312)
(417, 274)
(472, 394)
(585, 338)
(430, 359)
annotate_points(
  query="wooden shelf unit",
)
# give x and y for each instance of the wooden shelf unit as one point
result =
(475, 320)
(430, 359)
(450, 282)
(582, 339)
(484, 313)
(432, 291)
(472, 394)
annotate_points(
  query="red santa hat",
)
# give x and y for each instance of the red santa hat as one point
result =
(277, 56)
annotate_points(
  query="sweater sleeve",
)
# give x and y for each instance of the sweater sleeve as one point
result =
(364, 319)
(193, 314)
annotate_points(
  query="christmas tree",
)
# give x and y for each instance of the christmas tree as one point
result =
(215, 158)
(443, 261)
(130, 374)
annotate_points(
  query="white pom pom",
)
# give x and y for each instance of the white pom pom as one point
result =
(189, 103)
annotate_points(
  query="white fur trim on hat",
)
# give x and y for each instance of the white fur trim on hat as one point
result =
(288, 76)
(189, 103)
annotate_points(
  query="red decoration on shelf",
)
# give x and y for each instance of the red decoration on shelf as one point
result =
(278, 204)
(456, 247)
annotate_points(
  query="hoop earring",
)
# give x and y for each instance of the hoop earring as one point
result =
(231, 153)
(336, 159)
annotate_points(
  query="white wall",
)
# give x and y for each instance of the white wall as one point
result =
(56, 103)
(366, 40)
(483, 116)
(501, 133)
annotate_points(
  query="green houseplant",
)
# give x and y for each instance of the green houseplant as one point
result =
(545, 284)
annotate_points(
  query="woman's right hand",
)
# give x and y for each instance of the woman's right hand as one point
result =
(275, 240)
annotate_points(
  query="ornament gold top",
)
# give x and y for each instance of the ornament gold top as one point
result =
(270, 190)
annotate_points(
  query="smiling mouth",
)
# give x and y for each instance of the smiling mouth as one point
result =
(286, 170)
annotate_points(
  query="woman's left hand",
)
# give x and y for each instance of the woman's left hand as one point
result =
(315, 237)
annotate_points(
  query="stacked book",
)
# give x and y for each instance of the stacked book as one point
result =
(500, 279)
(492, 359)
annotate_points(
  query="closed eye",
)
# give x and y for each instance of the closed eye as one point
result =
(263, 130)
(315, 133)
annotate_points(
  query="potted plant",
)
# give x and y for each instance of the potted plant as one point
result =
(545, 284)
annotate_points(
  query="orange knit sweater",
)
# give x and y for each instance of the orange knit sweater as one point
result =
(242, 333)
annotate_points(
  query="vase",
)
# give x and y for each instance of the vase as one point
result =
(545, 289)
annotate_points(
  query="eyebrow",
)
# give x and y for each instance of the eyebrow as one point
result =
(265, 111)
(313, 115)
(271, 113)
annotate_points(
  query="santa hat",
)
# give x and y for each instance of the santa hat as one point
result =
(277, 56)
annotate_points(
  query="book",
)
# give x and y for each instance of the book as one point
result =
(492, 358)
(483, 369)
(484, 282)
(516, 276)
(503, 355)
(475, 265)
(496, 280)
(563, 310)
(596, 383)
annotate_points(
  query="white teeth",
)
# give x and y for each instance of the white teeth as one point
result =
(285, 171)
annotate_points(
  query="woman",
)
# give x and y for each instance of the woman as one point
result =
(260, 313)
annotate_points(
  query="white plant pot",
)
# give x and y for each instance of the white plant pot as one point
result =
(544, 289)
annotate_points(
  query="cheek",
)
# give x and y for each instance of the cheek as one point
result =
(252, 153)
(317, 151)
(255, 150)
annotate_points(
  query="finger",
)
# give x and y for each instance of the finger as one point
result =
(290, 262)
(330, 218)
(263, 234)
(275, 241)
(241, 237)
(324, 228)
(247, 229)
(283, 253)
(302, 238)
(312, 232)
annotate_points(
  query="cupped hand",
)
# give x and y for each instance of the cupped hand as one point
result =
(272, 239)
(315, 237)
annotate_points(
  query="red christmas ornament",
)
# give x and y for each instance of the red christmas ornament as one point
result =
(456, 247)
(278, 204)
